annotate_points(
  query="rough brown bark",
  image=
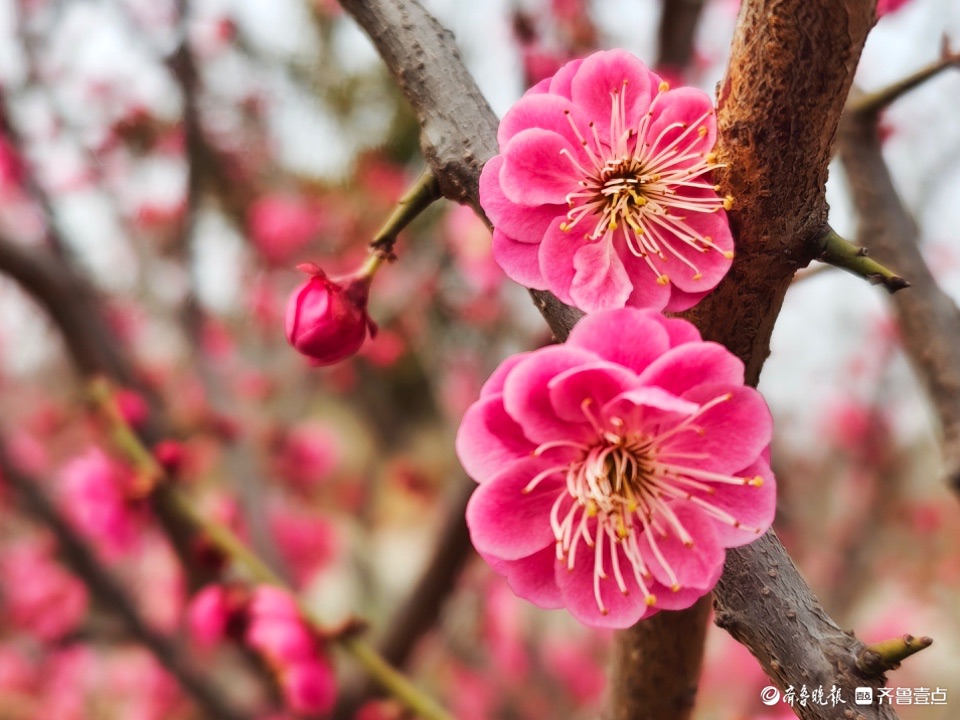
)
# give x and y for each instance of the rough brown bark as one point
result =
(929, 320)
(656, 664)
(790, 71)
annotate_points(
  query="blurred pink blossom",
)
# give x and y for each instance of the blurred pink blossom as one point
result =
(94, 493)
(37, 595)
(282, 225)
(307, 541)
(306, 454)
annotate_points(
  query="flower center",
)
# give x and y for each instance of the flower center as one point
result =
(621, 493)
(637, 184)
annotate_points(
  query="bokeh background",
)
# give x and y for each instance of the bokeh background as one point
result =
(186, 164)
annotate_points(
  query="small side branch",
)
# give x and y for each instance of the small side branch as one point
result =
(928, 317)
(418, 198)
(878, 658)
(847, 256)
(870, 104)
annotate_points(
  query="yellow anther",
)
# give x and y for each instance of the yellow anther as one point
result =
(664, 86)
(702, 132)
(612, 225)
(756, 482)
(675, 588)
(728, 254)
(728, 202)
(651, 600)
(564, 227)
(663, 280)
(716, 188)
(710, 157)
(698, 276)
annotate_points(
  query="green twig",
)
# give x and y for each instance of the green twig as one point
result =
(418, 198)
(879, 657)
(836, 251)
(255, 569)
(872, 103)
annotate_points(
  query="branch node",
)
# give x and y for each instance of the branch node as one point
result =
(876, 659)
(836, 251)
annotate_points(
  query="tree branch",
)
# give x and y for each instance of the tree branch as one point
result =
(842, 254)
(873, 103)
(877, 658)
(678, 30)
(424, 602)
(928, 318)
(791, 69)
(110, 594)
(655, 668)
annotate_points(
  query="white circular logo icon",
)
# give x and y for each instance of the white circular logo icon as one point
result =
(769, 695)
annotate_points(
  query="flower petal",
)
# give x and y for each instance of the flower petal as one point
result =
(697, 566)
(613, 71)
(731, 435)
(680, 300)
(711, 265)
(523, 223)
(579, 592)
(532, 577)
(692, 364)
(527, 399)
(556, 260)
(545, 111)
(560, 82)
(489, 439)
(509, 523)
(627, 336)
(519, 260)
(600, 281)
(534, 171)
(647, 292)
(753, 507)
(593, 384)
(683, 112)
(494, 383)
(644, 407)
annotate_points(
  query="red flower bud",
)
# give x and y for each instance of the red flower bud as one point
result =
(327, 319)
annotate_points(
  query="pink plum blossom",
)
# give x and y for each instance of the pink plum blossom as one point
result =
(327, 319)
(277, 631)
(94, 492)
(282, 225)
(306, 454)
(602, 191)
(614, 470)
(309, 687)
(36, 594)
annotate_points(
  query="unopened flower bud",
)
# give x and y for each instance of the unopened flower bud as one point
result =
(327, 319)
